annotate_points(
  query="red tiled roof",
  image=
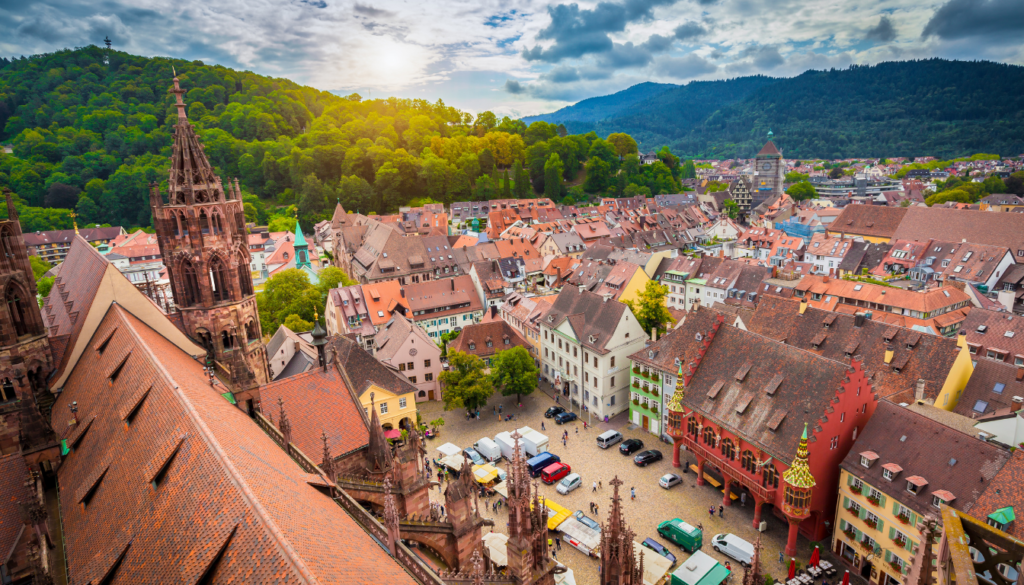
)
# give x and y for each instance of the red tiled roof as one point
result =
(229, 499)
(73, 292)
(1005, 489)
(315, 402)
(13, 490)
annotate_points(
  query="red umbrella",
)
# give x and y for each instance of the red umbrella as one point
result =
(846, 578)
(792, 569)
(815, 558)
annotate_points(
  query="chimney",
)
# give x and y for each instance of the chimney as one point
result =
(919, 390)
(654, 334)
(452, 280)
(889, 353)
(401, 291)
(1020, 373)
(824, 278)
(803, 306)
(1015, 406)
(858, 320)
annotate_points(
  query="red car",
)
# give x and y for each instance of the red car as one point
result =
(555, 472)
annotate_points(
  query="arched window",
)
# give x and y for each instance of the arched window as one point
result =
(216, 228)
(728, 449)
(219, 280)
(250, 332)
(204, 222)
(17, 307)
(227, 340)
(692, 426)
(709, 436)
(7, 246)
(189, 284)
(798, 498)
(748, 462)
(244, 276)
(769, 476)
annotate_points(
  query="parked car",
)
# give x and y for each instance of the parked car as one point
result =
(648, 456)
(565, 417)
(685, 535)
(630, 446)
(670, 479)
(571, 482)
(579, 515)
(733, 546)
(658, 548)
(553, 411)
(475, 457)
(555, 472)
(608, 438)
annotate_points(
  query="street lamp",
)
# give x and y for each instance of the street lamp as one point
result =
(73, 407)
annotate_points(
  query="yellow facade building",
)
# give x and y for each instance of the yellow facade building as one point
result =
(396, 411)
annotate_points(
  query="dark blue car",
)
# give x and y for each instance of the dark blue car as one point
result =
(658, 548)
(565, 417)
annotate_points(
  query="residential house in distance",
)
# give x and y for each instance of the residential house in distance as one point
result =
(975, 264)
(587, 340)
(523, 314)
(995, 390)
(53, 246)
(407, 348)
(559, 270)
(1009, 290)
(903, 257)
(485, 340)
(590, 231)
(995, 336)
(442, 306)
(904, 467)
(290, 353)
(563, 244)
(346, 313)
(1000, 202)
(735, 282)
(939, 311)
(862, 256)
(491, 283)
(827, 252)
(872, 223)
(961, 225)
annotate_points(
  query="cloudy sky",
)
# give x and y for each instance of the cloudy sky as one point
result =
(523, 57)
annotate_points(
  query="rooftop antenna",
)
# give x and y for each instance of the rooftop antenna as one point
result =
(106, 55)
(106, 41)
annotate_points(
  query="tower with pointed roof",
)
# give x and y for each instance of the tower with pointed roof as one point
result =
(799, 488)
(529, 562)
(201, 232)
(619, 564)
(769, 173)
(301, 249)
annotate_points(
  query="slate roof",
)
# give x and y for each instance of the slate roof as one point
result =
(870, 220)
(809, 383)
(864, 255)
(588, 313)
(980, 397)
(14, 488)
(977, 227)
(316, 402)
(931, 357)
(1005, 489)
(568, 242)
(924, 448)
(362, 369)
(190, 483)
(66, 236)
(664, 353)
(497, 332)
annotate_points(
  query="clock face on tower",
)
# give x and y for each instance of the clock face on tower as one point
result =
(766, 166)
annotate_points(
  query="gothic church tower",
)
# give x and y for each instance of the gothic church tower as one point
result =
(202, 238)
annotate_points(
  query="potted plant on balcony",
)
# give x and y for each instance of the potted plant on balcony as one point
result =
(636, 402)
(874, 500)
(895, 564)
(654, 407)
(636, 383)
(655, 393)
(636, 370)
(866, 545)
(654, 377)
(903, 517)
(871, 523)
(850, 534)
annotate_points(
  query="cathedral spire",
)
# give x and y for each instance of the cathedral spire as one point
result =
(178, 102)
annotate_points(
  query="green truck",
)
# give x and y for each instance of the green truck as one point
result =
(687, 536)
(700, 569)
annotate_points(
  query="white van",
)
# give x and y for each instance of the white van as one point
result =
(608, 438)
(733, 546)
(488, 449)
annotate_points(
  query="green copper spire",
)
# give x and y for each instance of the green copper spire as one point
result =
(301, 248)
(300, 240)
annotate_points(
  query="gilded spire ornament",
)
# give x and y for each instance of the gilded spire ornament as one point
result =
(675, 403)
(799, 473)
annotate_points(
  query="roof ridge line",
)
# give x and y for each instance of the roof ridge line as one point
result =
(218, 452)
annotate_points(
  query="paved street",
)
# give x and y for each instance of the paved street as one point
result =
(653, 504)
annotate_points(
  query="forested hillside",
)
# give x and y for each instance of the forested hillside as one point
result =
(908, 108)
(90, 129)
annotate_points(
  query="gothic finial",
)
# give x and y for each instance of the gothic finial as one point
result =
(283, 424)
(74, 222)
(328, 460)
(178, 102)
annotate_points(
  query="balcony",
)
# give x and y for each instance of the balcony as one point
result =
(739, 475)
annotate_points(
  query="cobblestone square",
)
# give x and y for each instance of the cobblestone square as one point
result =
(652, 505)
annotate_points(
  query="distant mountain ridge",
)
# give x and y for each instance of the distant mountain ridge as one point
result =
(598, 108)
(906, 108)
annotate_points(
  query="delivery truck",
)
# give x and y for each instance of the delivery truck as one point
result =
(507, 444)
(535, 442)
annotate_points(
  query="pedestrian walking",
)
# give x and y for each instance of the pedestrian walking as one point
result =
(564, 444)
(599, 486)
(632, 493)
(596, 511)
(721, 510)
(782, 560)
(494, 409)
(743, 499)
(711, 511)
(577, 430)
(500, 408)
(594, 487)
(542, 426)
(558, 544)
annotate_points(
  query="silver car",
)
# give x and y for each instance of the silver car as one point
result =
(569, 483)
(669, 479)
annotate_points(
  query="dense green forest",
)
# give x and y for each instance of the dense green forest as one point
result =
(91, 128)
(599, 108)
(910, 108)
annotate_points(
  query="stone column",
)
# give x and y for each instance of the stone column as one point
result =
(700, 469)
(726, 488)
(678, 442)
(794, 529)
(758, 502)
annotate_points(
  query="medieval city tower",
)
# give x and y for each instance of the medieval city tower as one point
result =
(25, 358)
(202, 238)
(769, 173)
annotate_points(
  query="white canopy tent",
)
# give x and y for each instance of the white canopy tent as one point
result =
(449, 449)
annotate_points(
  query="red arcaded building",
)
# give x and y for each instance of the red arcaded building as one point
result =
(773, 421)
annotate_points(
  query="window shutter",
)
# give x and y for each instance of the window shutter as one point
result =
(850, 479)
(895, 508)
(881, 501)
(858, 533)
(913, 519)
(881, 524)
(888, 556)
(865, 489)
(846, 502)
(910, 545)
(863, 513)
